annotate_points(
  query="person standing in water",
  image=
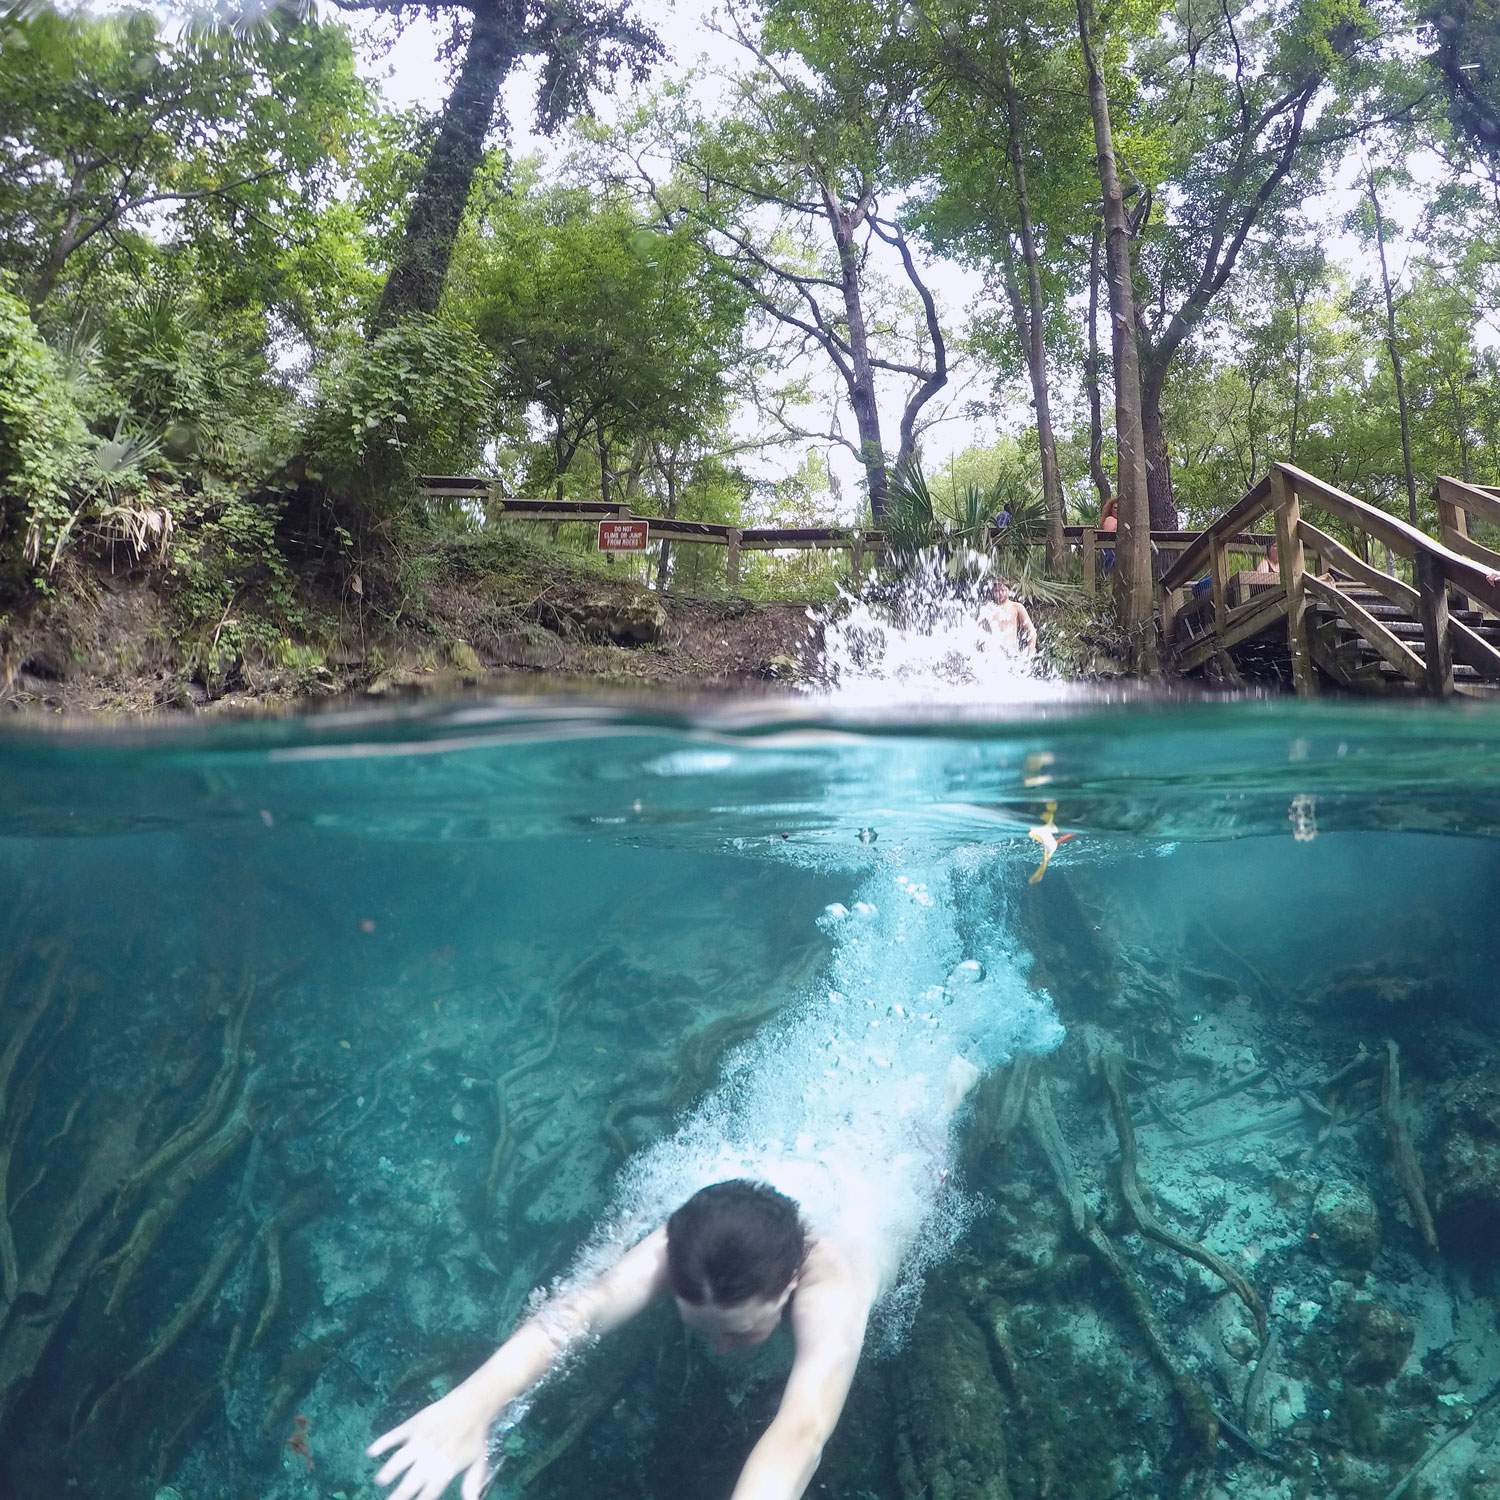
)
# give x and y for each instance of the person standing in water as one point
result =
(1010, 623)
(737, 1258)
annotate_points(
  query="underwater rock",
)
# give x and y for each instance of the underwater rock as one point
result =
(1347, 1224)
(1466, 1184)
(951, 1442)
(627, 622)
(1378, 1339)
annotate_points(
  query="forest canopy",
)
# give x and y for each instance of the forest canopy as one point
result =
(1142, 250)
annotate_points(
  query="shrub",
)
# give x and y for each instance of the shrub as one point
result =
(418, 397)
(43, 440)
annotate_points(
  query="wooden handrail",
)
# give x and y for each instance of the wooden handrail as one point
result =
(1247, 540)
(1400, 536)
(1335, 554)
(1479, 500)
(1390, 646)
(1239, 515)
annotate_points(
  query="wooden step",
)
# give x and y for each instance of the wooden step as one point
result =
(1461, 673)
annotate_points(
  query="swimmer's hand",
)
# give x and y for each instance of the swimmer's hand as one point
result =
(447, 1438)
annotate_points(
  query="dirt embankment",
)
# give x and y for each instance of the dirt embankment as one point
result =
(112, 642)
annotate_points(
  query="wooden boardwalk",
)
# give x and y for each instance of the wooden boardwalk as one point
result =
(860, 545)
(1326, 616)
(1338, 621)
(1088, 542)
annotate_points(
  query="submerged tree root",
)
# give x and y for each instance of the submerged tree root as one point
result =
(1041, 1458)
(184, 1141)
(1404, 1160)
(1106, 1065)
(15, 1107)
(228, 1251)
(180, 1181)
(1201, 1420)
(585, 1412)
(1483, 1410)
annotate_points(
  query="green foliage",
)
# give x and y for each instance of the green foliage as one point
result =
(618, 332)
(117, 140)
(418, 397)
(1467, 57)
(963, 524)
(42, 439)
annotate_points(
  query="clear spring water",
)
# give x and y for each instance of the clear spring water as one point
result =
(323, 1043)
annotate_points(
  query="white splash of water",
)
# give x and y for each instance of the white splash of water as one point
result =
(923, 638)
(844, 1103)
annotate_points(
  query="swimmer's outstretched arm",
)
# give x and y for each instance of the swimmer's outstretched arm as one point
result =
(451, 1436)
(828, 1322)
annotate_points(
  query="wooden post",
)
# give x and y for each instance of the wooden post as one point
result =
(1289, 550)
(1218, 572)
(732, 560)
(1437, 644)
(857, 557)
(1453, 522)
(1169, 608)
(1090, 559)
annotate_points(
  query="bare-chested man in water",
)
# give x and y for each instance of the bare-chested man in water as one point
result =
(1007, 619)
(736, 1259)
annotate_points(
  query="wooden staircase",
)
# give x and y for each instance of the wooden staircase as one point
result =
(1327, 617)
(1351, 662)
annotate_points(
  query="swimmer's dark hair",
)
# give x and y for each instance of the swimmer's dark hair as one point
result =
(734, 1242)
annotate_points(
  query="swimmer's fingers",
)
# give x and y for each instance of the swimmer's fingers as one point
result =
(387, 1440)
(476, 1480)
(400, 1461)
(426, 1480)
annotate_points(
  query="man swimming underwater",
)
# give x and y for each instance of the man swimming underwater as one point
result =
(736, 1258)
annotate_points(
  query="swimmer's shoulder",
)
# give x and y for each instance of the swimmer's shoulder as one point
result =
(831, 1265)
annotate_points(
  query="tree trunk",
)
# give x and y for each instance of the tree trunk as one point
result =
(861, 379)
(1031, 329)
(1133, 583)
(1393, 346)
(668, 466)
(415, 281)
(1091, 379)
(1161, 501)
(1299, 305)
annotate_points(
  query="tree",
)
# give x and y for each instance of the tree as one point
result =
(1133, 583)
(622, 334)
(786, 192)
(582, 44)
(1467, 57)
(1250, 108)
(1377, 229)
(1003, 175)
(115, 138)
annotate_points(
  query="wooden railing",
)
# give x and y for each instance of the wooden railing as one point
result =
(1437, 567)
(1088, 541)
(860, 545)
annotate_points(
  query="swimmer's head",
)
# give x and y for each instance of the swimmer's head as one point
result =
(1000, 590)
(734, 1254)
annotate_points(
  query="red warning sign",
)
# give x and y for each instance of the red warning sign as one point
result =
(624, 536)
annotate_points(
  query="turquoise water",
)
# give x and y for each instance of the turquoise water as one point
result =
(323, 1043)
